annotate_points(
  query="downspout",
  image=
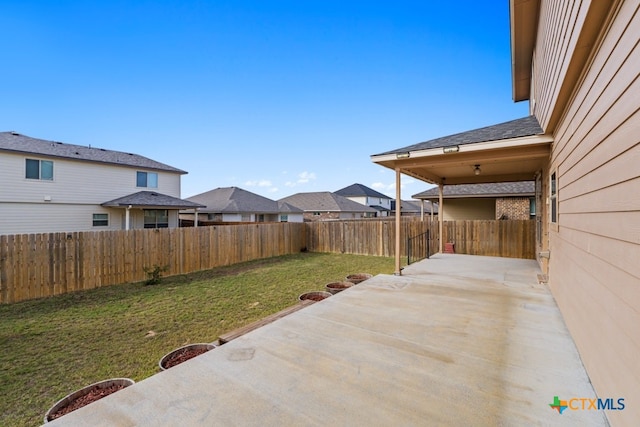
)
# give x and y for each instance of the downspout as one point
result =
(195, 218)
(398, 271)
(126, 217)
(440, 216)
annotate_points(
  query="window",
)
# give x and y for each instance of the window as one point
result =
(553, 199)
(156, 218)
(532, 207)
(284, 218)
(147, 179)
(100, 220)
(39, 169)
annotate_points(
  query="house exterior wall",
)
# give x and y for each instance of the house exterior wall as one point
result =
(75, 193)
(513, 208)
(594, 245)
(373, 201)
(465, 209)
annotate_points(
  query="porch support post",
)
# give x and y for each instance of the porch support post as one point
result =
(398, 271)
(440, 215)
(195, 217)
(127, 217)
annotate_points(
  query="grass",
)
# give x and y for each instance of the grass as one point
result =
(53, 346)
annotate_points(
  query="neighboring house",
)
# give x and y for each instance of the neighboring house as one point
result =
(50, 186)
(367, 196)
(233, 204)
(576, 62)
(324, 205)
(415, 208)
(502, 200)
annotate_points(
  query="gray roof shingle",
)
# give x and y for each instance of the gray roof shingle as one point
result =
(359, 190)
(526, 126)
(235, 200)
(500, 189)
(151, 198)
(15, 142)
(325, 201)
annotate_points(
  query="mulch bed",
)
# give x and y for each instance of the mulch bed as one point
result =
(79, 402)
(183, 355)
(316, 297)
(357, 278)
(339, 285)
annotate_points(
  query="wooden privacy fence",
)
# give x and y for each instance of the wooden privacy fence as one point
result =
(367, 237)
(40, 265)
(505, 238)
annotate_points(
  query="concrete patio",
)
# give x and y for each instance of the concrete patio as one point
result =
(456, 340)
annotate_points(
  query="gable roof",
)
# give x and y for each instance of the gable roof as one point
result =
(359, 190)
(151, 198)
(234, 200)
(17, 143)
(285, 207)
(325, 201)
(499, 189)
(526, 126)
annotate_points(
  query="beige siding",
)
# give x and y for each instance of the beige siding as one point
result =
(68, 202)
(594, 271)
(76, 182)
(26, 218)
(465, 209)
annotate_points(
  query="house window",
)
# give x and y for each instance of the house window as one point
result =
(156, 218)
(39, 169)
(316, 214)
(284, 218)
(147, 179)
(100, 220)
(532, 207)
(553, 199)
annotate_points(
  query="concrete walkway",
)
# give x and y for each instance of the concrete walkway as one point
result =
(456, 341)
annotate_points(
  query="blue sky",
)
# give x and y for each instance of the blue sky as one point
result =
(277, 97)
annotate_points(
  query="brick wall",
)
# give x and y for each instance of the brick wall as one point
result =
(512, 208)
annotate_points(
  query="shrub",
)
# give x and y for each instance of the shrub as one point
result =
(154, 274)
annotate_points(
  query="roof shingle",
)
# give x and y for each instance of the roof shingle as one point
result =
(526, 126)
(500, 189)
(15, 142)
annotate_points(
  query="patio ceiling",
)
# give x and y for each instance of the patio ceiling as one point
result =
(453, 159)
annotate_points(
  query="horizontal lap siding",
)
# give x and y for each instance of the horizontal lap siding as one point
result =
(594, 271)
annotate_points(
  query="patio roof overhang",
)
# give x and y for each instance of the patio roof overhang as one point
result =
(505, 160)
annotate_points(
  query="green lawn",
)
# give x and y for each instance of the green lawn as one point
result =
(53, 346)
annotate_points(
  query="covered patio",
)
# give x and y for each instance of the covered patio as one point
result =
(517, 150)
(455, 340)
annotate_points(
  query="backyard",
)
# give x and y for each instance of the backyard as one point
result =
(53, 346)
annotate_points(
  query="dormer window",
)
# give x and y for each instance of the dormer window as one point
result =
(147, 179)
